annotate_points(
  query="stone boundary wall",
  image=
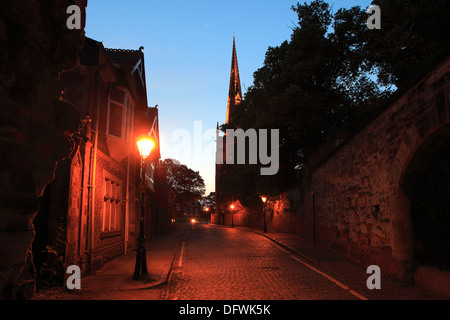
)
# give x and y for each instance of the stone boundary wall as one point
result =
(354, 202)
(360, 206)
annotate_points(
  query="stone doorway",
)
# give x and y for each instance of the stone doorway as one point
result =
(430, 212)
(426, 183)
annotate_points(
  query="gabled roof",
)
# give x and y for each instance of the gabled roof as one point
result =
(129, 64)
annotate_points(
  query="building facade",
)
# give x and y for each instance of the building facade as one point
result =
(90, 213)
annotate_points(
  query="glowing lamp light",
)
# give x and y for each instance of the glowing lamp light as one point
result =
(232, 206)
(264, 200)
(206, 209)
(193, 221)
(145, 146)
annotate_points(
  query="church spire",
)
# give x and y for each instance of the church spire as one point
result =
(234, 93)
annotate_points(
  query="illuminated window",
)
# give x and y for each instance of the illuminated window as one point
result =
(112, 205)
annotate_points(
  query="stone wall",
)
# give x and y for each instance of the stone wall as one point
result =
(361, 209)
(34, 124)
(355, 200)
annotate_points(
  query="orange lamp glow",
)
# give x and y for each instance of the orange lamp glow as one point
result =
(264, 199)
(207, 209)
(232, 206)
(145, 146)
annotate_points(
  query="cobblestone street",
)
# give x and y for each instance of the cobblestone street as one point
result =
(212, 262)
(229, 264)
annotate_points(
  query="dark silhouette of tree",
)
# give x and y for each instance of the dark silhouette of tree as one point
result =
(187, 183)
(412, 32)
(332, 74)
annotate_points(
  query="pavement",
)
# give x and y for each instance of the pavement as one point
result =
(114, 280)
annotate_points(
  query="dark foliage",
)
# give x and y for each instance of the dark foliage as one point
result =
(187, 183)
(331, 75)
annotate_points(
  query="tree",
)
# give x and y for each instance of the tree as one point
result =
(297, 92)
(187, 183)
(411, 33)
(209, 201)
(332, 74)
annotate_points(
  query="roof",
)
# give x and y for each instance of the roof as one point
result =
(124, 58)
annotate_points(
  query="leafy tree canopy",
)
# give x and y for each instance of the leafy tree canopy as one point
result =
(330, 75)
(187, 183)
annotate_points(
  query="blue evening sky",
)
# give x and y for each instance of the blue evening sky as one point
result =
(187, 48)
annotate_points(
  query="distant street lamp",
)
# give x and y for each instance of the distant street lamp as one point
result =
(232, 222)
(264, 200)
(145, 146)
(206, 215)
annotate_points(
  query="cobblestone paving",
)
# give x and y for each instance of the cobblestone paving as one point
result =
(231, 264)
(60, 293)
(221, 263)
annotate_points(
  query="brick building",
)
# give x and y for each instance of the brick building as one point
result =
(189, 210)
(90, 212)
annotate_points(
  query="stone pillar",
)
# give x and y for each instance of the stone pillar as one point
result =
(35, 124)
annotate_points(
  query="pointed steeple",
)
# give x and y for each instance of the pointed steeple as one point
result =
(234, 93)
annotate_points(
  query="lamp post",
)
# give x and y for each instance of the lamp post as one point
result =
(232, 222)
(145, 146)
(206, 215)
(264, 199)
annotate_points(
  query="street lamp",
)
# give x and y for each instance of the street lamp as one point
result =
(145, 146)
(264, 200)
(232, 222)
(206, 215)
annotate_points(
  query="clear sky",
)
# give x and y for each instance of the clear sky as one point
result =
(187, 48)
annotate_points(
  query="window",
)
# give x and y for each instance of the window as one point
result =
(115, 119)
(112, 205)
(120, 114)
